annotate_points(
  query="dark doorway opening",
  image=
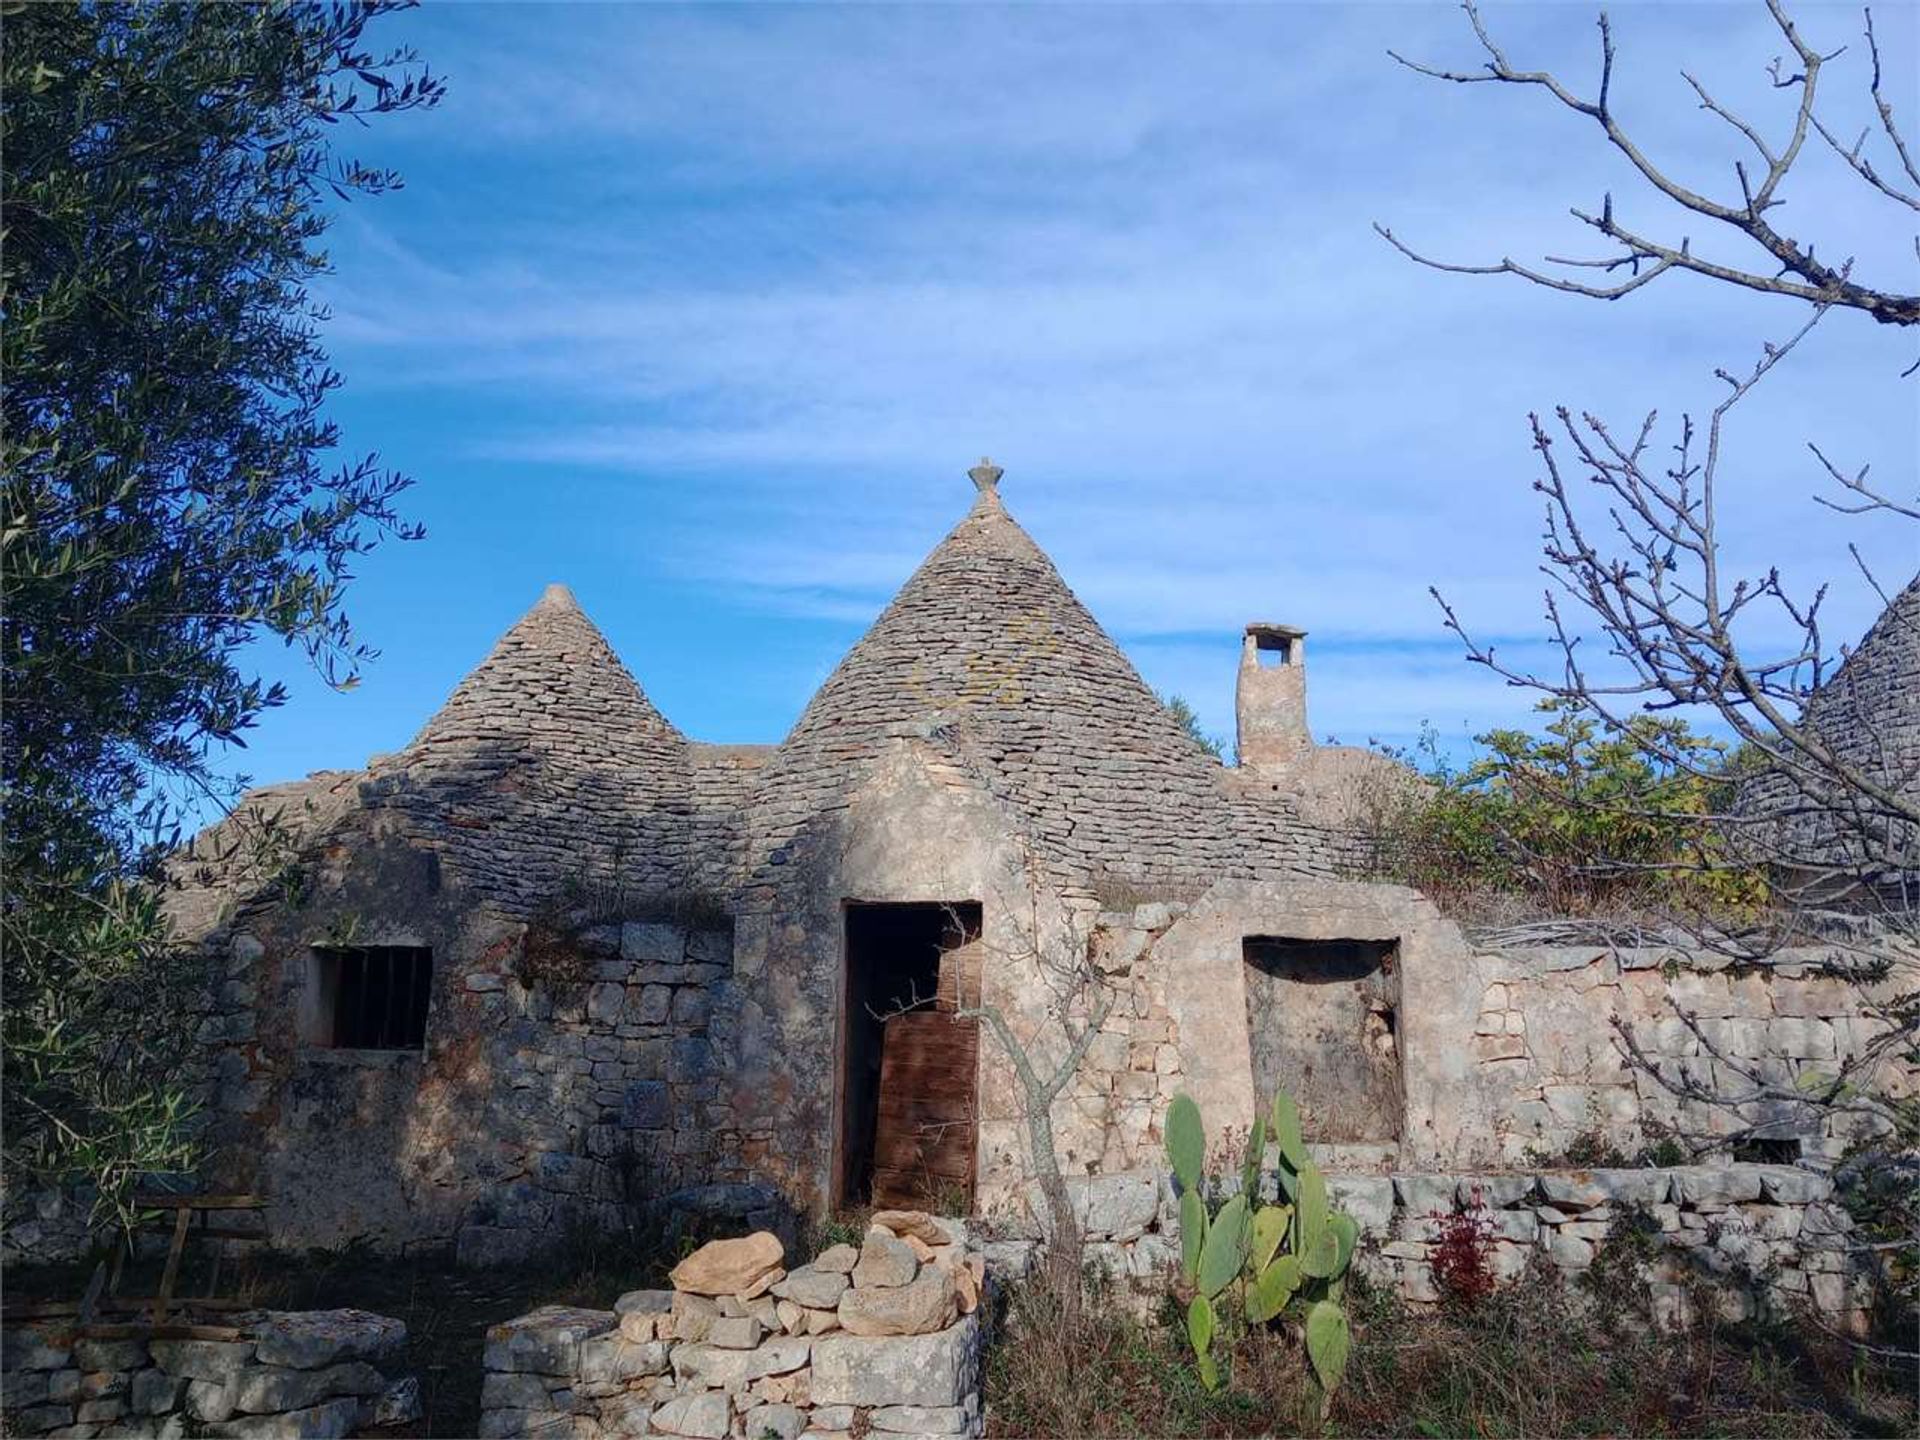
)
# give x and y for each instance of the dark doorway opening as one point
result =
(1323, 1019)
(908, 1077)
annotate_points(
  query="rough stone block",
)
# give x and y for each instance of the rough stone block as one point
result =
(547, 1341)
(1152, 1256)
(1423, 1195)
(110, 1354)
(1367, 1198)
(259, 1390)
(1790, 1185)
(928, 1303)
(22, 1388)
(741, 1332)
(210, 1399)
(885, 1261)
(520, 1424)
(99, 1412)
(1010, 1259)
(782, 1422)
(1118, 1207)
(331, 1421)
(710, 1366)
(309, 1339)
(612, 1359)
(29, 1349)
(626, 1415)
(506, 1390)
(836, 1259)
(814, 1287)
(935, 1370)
(706, 1417)
(920, 1419)
(37, 1419)
(212, 1360)
(644, 1302)
(1699, 1185)
(154, 1392)
(652, 943)
(1522, 1227)
(1570, 1252)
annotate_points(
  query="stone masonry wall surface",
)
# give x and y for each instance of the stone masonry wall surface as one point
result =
(295, 1375)
(534, 1103)
(1764, 1234)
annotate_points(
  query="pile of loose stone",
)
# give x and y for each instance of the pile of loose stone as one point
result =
(313, 1373)
(883, 1338)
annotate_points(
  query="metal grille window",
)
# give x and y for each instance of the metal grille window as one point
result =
(374, 997)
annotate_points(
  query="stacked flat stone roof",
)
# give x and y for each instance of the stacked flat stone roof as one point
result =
(1868, 714)
(987, 641)
(549, 765)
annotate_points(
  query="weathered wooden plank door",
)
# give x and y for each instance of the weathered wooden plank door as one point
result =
(925, 1135)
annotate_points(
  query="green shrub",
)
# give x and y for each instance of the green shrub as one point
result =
(1578, 819)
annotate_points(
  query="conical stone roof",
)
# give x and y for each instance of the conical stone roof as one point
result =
(1868, 715)
(987, 644)
(548, 764)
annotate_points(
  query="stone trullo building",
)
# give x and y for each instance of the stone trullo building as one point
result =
(554, 956)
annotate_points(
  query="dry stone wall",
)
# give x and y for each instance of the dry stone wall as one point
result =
(882, 1340)
(316, 1374)
(1557, 1069)
(1747, 1236)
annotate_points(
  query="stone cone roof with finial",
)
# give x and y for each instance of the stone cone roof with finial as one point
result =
(986, 649)
(547, 764)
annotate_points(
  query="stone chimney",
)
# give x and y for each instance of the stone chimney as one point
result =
(1270, 702)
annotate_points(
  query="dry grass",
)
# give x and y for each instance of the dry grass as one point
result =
(1535, 1360)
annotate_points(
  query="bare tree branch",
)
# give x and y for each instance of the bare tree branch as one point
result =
(1800, 274)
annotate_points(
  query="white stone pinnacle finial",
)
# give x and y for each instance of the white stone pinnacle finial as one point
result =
(986, 475)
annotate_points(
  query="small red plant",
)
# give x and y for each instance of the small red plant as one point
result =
(1462, 1256)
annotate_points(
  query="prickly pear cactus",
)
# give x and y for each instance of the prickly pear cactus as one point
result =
(1270, 1224)
(1200, 1325)
(1249, 1262)
(1272, 1290)
(1328, 1341)
(1225, 1253)
(1193, 1234)
(1186, 1141)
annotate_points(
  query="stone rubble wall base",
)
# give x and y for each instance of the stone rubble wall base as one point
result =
(299, 1375)
(572, 1374)
(1767, 1233)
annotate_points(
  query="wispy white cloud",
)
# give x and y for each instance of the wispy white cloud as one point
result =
(745, 289)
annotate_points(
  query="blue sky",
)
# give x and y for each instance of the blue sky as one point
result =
(706, 311)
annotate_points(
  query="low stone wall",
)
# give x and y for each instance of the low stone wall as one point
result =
(1768, 1234)
(566, 1372)
(885, 1340)
(314, 1374)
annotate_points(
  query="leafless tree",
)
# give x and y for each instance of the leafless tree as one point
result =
(1641, 257)
(1632, 552)
(1044, 1053)
(1078, 1003)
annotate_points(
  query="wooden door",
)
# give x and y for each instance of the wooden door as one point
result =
(925, 1132)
